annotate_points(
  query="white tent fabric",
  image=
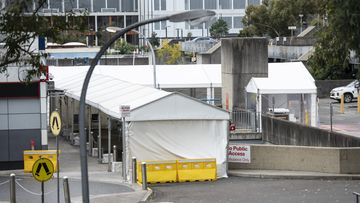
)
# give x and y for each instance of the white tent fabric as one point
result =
(284, 78)
(167, 76)
(162, 125)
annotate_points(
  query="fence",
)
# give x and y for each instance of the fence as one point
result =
(244, 120)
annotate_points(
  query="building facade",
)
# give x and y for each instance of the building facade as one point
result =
(121, 13)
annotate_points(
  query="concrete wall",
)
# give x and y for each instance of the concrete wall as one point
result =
(325, 86)
(242, 59)
(297, 158)
(281, 132)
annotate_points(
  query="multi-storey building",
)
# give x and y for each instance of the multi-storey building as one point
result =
(121, 13)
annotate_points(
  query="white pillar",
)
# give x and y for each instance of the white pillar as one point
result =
(314, 110)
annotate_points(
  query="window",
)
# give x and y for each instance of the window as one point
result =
(238, 22)
(254, 2)
(239, 4)
(69, 5)
(187, 5)
(85, 4)
(228, 21)
(98, 5)
(157, 25)
(196, 4)
(159, 5)
(56, 4)
(160, 25)
(113, 4)
(129, 5)
(210, 4)
(225, 4)
(197, 27)
(163, 25)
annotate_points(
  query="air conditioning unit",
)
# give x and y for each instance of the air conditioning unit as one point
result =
(108, 10)
(50, 10)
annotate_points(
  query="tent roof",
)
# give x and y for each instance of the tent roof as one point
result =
(167, 76)
(108, 93)
(284, 78)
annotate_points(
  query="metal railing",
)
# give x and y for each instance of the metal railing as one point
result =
(244, 120)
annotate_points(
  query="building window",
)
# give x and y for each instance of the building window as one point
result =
(228, 21)
(113, 4)
(196, 4)
(254, 2)
(69, 5)
(160, 5)
(85, 4)
(157, 25)
(225, 4)
(210, 4)
(98, 5)
(187, 5)
(160, 25)
(239, 4)
(163, 25)
(238, 22)
(129, 5)
(56, 5)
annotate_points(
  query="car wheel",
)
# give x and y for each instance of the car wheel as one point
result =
(347, 98)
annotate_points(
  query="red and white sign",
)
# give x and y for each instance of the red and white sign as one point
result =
(239, 153)
(125, 110)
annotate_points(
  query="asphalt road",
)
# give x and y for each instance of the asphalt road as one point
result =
(253, 190)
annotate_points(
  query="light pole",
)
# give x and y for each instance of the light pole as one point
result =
(118, 29)
(179, 17)
(301, 22)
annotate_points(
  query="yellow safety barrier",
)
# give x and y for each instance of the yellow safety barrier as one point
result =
(196, 170)
(158, 171)
(30, 156)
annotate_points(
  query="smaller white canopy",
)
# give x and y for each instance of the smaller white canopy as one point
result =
(284, 78)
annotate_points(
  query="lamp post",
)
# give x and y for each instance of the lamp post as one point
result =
(118, 29)
(179, 17)
(301, 22)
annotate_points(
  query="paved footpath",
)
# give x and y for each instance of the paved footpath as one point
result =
(105, 187)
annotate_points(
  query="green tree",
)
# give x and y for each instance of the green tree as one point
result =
(169, 54)
(219, 28)
(340, 36)
(273, 17)
(20, 26)
(123, 47)
(154, 41)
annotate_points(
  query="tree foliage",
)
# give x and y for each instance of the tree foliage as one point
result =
(154, 41)
(273, 17)
(20, 26)
(336, 40)
(123, 47)
(169, 53)
(219, 28)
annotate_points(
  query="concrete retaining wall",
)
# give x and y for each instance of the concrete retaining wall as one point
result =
(300, 158)
(281, 132)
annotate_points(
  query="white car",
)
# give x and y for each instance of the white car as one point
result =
(350, 92)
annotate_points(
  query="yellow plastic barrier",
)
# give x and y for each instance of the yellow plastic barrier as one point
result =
(158, 171)
(196, 170)
(30, 156)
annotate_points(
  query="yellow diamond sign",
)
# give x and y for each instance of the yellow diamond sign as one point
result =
(55, 123)
(43, 169)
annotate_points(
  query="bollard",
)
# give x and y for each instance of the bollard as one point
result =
(356, 196)
(114, 153)
(12, 188)
(342, 104)
(134, 174)
(144, 178)
(66, 190)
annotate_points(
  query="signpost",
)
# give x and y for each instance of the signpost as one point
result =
(125, 112)
(55, 127)
(43, 170)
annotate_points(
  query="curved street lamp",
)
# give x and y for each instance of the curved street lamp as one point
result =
(118, 29)
(195, 15)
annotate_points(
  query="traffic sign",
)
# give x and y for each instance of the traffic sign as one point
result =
(43, 170)
(55, 123)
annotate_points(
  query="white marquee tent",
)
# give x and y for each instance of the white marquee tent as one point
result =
(291, 85)
(162, 125)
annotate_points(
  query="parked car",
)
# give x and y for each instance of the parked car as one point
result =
(350, 92)
(205, 40)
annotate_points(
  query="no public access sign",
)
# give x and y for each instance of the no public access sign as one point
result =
(239, 153)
